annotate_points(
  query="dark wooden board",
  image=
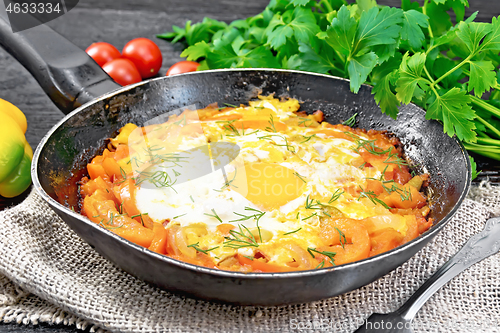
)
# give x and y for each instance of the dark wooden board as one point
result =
(117, 22)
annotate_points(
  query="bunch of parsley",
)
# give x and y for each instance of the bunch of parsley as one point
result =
(409, 54)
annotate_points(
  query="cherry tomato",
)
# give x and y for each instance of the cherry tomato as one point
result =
(145, 54)
(182, 67)
(103, 52)
(123, 71)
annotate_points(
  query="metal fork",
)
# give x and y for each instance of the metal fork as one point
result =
(477, 248)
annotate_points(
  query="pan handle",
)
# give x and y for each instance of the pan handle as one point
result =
(67, 74)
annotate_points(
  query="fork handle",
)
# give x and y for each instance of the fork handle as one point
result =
(477, 248)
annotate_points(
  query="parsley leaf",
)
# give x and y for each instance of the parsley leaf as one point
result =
(473, 165)
(482, 77)
(299, 23)
(472, 34)
(454, 111)
(236, 55)
(352, 40)
(341, 33)
(439, 19)
(195, 33)
(378, 28)
(492, 41)
(410, 82)
(384, 96)
(196, 51)
(359, 68)
(300, 2)
(383, 77)
(412, 28)
(319, 62)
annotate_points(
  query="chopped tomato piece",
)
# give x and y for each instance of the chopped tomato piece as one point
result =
(258, 265)
(158, 244)
(96, 170)
(384, 240)
(408, 197)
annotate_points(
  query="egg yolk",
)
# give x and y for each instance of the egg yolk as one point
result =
(268, 186)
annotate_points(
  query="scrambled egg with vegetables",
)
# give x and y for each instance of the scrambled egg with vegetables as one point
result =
(257, 188)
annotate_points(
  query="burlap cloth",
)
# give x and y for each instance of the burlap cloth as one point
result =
(50, 275)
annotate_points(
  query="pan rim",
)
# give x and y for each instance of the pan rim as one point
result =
(230, 274)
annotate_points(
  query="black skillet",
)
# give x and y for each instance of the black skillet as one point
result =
(71, 78)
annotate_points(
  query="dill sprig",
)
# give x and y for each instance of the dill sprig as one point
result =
(300, 177)
(124, 176)
(329, 254)
(372, 197)
(395, 160)
(228, 183)
(140, 216)
(336, 195)
(157, 178)
(271, 122)
(310, 216)
(108, 227)
(292, 232)
(228, 126)
(304, 121)
(109, 222)
(215, 216)
(310, 204)
(321, 264)
(405, 194)
(288, 146)
(351, 121)
(196, 246)
(156, 158)
(182, 120)
(368, 145)
(257, 216)
(384, 182)
(307, 138)
(240, 239)
(342, 238)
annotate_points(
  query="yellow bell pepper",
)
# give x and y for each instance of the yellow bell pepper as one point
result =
(15, 152)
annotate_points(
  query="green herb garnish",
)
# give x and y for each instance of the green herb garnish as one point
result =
(240, 239)
(197, 248)
(214, 215)
(292, 232)
(351, 121)
(329, 254)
